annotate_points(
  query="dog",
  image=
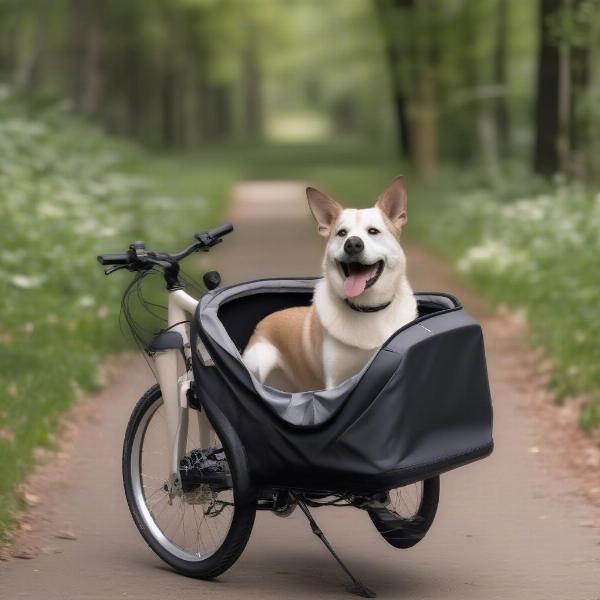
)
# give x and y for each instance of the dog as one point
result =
(363, 298)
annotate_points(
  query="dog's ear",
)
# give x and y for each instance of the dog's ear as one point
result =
(325, 210)
(393, 202)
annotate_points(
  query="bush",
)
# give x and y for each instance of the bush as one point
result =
(539, 254)
(68, 193)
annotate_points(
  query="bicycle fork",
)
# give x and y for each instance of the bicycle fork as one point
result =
(175, 381)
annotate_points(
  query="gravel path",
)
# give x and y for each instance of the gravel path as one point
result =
(509, 527)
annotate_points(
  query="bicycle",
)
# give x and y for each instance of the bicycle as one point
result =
(208, 446)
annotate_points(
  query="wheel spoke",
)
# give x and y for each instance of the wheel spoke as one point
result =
(184, 525)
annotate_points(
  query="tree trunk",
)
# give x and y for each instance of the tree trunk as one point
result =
(466, 147)
(190, 102)
(223, 120)
(399, 103)
(423, 110)
(167, 108)
(86, 55)
(501, 112)
(136, 108)
(27, 54)
(546, 159)
(252, 84)
(579, 120)
(213, 111)
(424, 120)
(92, 70)
(488, 133)
(564, 106)
(395, 55)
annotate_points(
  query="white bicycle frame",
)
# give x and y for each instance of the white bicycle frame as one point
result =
(175, 380)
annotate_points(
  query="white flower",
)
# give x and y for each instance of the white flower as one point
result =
(86, 302)
(46, 209)
(27, 282)
(106, 232)
(497, 257)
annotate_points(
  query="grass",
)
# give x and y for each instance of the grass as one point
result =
(535, 247)
(67, 193)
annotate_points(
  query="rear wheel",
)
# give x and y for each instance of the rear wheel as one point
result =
(201, 525)
(407, 513)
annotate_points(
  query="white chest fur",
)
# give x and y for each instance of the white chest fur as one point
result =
(352, 337)
(341, 361)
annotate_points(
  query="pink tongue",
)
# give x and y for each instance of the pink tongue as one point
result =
(355, 283)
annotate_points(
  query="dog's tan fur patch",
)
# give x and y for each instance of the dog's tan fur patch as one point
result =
(286, 330)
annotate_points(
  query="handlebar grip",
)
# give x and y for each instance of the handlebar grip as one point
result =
(113, 259)
(220, 231)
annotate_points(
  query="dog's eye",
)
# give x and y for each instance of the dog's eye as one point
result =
(342, 233)
(373, 231)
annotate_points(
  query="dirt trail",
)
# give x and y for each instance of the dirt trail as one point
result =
(510, 527)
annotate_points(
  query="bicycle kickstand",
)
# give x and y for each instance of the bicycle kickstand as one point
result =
(357, 587)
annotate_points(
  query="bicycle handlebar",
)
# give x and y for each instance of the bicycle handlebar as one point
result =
(220, 231)
(137, 255)
(113, 259)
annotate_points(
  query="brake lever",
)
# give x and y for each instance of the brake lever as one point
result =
(111, 270)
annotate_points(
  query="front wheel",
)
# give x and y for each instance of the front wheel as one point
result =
(407, 513)
(201, 525)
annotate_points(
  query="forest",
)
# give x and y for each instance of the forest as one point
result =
(490, 107)
(461, 82)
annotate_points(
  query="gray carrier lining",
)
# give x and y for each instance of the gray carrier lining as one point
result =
(298, 408)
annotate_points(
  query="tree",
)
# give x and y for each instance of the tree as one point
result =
(546, 158)
(251, 82)
(396, 51)
(500, 80)
(562, 142)
(150, 69)
(410, 27)
(583, 13)
(87, 40)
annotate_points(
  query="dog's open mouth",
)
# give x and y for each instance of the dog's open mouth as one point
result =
(359, 277)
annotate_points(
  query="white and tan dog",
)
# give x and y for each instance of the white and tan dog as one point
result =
(363, 298)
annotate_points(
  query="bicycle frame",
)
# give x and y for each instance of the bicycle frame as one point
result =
(172, 352)
(174, 379)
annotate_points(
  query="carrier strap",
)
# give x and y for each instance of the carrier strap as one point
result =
(366, 309)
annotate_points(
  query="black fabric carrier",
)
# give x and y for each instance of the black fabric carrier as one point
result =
(420, 407)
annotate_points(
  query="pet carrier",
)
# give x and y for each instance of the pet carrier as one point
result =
(420, 407)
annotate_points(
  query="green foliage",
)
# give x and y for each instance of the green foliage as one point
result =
(68, 193)
(182, 73)
(537, 251)
(589, 416)
(329, 62)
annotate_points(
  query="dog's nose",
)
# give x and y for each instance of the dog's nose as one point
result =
(354, 245)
